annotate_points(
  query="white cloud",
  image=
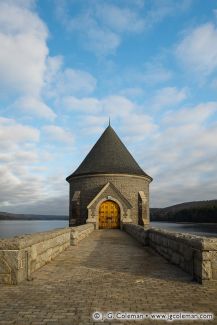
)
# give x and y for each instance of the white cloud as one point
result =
(111, 106)
(34, 106)
(195, 115)
(94, 120)
(19, 186)
(154, 73)
(214, 84)
(21, 3)
(18, 144)
(13, 132)
(55, 205)
(95, 36)
(57, 133)
(26, 174)
(198, 49)
(117, 106)
(120, 19)
(94, 114)
(181, 157)
(135, 92)
(23, 49)
(53, 68)
(62, 82)
(101, 41)
(88, 105)
(93, 124)
(102, 25)
(168, 96)
(163, 9)
(15, 15)
(75, 82)
(27, 156)
(139, 125)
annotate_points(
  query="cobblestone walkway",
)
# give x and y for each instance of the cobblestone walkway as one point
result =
(108, 271)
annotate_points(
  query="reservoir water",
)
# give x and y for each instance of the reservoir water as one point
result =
(10, 228)
(199, 229)
(20, 227)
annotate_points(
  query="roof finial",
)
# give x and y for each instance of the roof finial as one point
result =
(109, 121)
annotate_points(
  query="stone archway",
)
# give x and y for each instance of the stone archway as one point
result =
(109, 215)
(109, 192)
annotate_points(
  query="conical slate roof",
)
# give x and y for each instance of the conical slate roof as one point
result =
(109, 156)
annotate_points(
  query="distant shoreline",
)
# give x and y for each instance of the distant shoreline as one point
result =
(37, 219)
(16, 217)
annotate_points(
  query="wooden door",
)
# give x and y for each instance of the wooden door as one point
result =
(109, 215)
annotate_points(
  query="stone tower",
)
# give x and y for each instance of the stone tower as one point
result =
(109, 188)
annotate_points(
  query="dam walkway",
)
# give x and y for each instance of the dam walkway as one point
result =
(107, 271)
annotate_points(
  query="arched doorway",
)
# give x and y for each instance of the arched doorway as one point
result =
(109, 215)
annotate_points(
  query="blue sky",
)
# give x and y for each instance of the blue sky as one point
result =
(66, 66)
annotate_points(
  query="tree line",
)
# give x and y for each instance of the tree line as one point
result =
(192, 214)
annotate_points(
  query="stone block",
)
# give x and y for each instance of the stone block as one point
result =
(187, 254)
(5, 278)
(206, 270)
(80, 232)
(5, 272)
(206, 255)
(209, 244)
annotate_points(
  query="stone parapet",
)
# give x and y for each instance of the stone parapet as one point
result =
(20, 256)
(138, 232)
(80, 232)
(19, 242)
(196, 255)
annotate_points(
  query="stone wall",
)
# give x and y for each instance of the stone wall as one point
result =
(138, 232)
(22, 255)
(80, 232)
(194, 254)
(90, 185)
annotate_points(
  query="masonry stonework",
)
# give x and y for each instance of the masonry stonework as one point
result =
(195, 255)
(22, 255)
(109, 172)
(129, 186)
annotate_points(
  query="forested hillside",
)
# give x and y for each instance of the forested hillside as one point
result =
(197, 211)
(14, 216)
